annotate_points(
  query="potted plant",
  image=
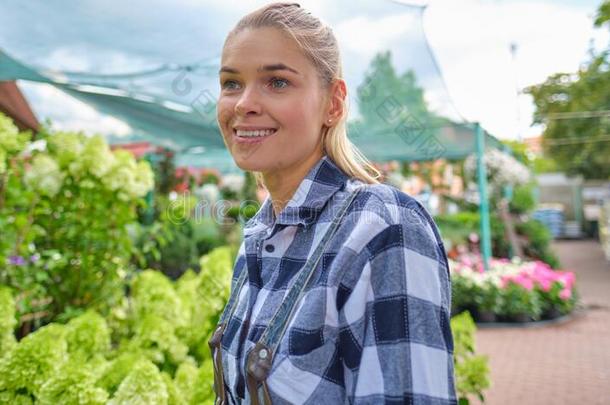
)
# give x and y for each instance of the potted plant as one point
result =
(463, 291)
(518, 303)
(487, 301)
(557, 300)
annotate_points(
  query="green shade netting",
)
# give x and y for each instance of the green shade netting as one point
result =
(173, 104)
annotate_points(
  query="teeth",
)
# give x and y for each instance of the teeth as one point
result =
(254, 134)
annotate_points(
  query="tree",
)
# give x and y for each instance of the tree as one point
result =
(603, 14)
(383, 83)
(394, 112)
(574, 107)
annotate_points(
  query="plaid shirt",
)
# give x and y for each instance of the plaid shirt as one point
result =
(373, 327)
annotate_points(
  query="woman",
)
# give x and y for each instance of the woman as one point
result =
(337, 296)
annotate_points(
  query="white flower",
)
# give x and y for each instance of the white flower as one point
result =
(129, 178)
(209, 192)
(119, 178)
(502, 169)
(44, 175)
(67, 146)
(144, 180)
(233, 182)
(95, 158)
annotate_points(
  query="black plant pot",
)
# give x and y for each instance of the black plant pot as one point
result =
(521, 318)
(486, 316)
(552, 313)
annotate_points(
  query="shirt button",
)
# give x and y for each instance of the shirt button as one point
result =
(270, 248)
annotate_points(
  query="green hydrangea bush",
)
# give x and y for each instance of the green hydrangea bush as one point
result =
(471, 370)
(65, 202)
(151, 349)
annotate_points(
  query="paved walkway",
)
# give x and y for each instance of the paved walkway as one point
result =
(565, 363)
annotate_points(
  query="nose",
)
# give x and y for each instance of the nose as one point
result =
(248, 103)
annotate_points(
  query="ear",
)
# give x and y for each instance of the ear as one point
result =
(338, 92)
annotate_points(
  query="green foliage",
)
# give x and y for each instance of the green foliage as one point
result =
(457, 227)
(204, 297)
(142, 386)
(7, 321)
(159, 356)
(117, 369)
(203, 391)
(242, 213)
(34, 360)
(165, 172)
(552, 300)
(157, 313)
(518, 150)
(523, 200)
(578, 144)
(207, 235)
(88, 337)
(178, 237)
(72, 384)
(544, 165)
(603, 14)
(382, 81)
(487, 298)
(472, 371)
(58, 362)
(153, 293)
(538, 242)
(517, 300)
(386, 98)
(184, 381)
(64, 212)
(157, 339)
(15, 398)
(248, 192)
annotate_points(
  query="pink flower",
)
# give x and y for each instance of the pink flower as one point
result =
(480, 268)
(545, 284)
(565, 294)
(525, 282)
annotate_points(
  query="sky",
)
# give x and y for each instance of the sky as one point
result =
(476, 76)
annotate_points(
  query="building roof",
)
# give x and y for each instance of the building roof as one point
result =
(14, 104)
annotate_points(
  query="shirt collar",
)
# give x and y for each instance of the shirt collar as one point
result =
(322, 181)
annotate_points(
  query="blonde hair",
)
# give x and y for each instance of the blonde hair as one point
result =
(318, 43)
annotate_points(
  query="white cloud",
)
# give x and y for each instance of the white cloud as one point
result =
(471, 39)
(364, 37)
(102, 61)
(68, 113)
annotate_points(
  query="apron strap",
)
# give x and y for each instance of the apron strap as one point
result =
(260, 358)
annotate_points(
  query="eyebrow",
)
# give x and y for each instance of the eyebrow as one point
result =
(265, 68)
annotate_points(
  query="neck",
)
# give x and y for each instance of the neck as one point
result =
(282, 184)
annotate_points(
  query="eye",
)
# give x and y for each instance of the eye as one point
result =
(279, 83)
(229, 85)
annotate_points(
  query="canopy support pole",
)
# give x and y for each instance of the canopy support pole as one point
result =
(484, 198)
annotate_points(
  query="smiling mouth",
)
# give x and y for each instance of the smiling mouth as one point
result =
(254, 134)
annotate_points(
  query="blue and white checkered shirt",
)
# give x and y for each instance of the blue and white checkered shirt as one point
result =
(374, 325)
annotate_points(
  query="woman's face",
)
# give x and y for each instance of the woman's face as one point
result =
(271, 107)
